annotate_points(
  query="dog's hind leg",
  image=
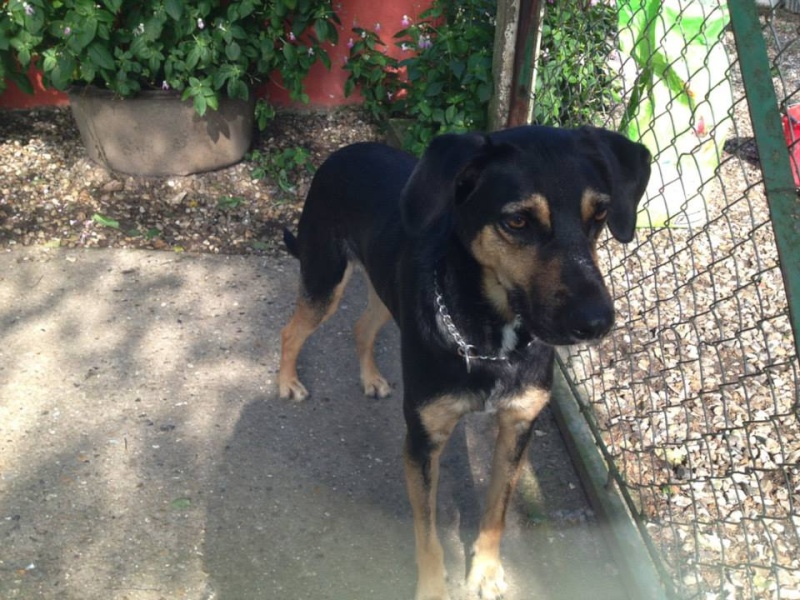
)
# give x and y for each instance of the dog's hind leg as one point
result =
(367, 327)
(310, 312)
(515, 419)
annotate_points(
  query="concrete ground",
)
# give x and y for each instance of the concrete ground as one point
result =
(144, 454)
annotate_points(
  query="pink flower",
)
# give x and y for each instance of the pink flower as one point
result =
(201, 24)
(405, 22)
(377, 27)
(164, 85)
(292, 37)
(700, 128)
(350, 43)
(424, 42)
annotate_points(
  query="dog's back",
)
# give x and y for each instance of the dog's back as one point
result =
(352, 208)
(354, 190)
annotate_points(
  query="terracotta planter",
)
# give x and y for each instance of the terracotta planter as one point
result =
(155, 133)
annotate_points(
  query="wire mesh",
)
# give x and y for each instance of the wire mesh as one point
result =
(695, 395)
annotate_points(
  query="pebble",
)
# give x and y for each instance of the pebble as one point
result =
(42, 161)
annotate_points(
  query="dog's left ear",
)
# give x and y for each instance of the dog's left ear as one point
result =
(626, 165)
(431, 189)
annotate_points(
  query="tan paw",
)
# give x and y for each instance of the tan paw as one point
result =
(292, 389)
(376, 387)
(487, 579)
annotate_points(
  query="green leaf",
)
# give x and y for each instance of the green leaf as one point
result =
(324, 58)
(153, 28)
(105, 221)
(100, 56)
(238, 89)
(200, 104)
(193, 57)
(181, 504)
(290, 53)
(113, 5)
(174, 9)
(458, 67)
(323, 30)
(88, 71)
(83, 34)
(22, 82)
(245, 8)
(233, 51)
(434, 89)
(229, 202)
(61, 74)
(212, 101)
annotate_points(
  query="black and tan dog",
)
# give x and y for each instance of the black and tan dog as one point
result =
(483, 252)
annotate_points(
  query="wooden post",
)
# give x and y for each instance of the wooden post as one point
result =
(505, 41)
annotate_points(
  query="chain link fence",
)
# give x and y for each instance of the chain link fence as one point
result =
(694, 399)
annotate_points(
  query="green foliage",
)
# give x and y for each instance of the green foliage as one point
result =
(21, 29)
(445, 82)
(281, 167)
(264, 113)
(376, 74)
(230, 202)
(573, 85)
(205, 50)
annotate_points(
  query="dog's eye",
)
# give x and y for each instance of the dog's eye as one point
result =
(600, 213)
(516, 222)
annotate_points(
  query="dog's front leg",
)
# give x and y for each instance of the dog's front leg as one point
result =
(429, 428)
(515, 420)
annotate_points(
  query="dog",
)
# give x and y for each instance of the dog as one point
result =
(484, 254)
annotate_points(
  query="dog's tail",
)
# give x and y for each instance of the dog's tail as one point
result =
(291, 243)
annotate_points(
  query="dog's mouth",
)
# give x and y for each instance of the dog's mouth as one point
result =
(547, 336)
(554, 337)
(557, 329)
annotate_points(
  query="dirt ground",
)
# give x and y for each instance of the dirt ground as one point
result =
(144, 454)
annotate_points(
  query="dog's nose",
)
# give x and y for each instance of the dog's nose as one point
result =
(591, 322)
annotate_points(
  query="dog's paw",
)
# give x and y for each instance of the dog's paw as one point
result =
(376, 387)
(292, 389)
(487, 579)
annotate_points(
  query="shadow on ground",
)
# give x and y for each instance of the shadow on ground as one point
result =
(144, 455)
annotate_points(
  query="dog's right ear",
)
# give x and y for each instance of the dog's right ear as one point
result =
(431, 189)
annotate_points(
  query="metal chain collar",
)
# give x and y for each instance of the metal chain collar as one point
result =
(467, 351)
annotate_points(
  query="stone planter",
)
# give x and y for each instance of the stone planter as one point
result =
(155, 133)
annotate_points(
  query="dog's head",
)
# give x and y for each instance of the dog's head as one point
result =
(529, 205)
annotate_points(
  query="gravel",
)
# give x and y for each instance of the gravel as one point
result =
(52, 194)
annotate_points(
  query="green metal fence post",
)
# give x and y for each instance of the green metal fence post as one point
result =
(784, 204)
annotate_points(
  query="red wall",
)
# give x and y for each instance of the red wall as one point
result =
(325, 88)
